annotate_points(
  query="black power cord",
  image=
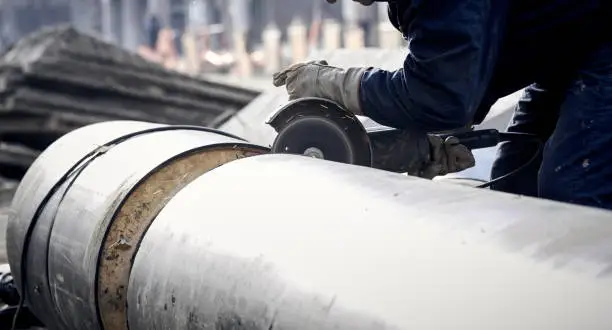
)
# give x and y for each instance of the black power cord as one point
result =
(516, 137)
(9, 296)
(487, 138)
(8, 292)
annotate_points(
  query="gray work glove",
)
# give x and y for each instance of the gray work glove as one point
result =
(448, 156)
(317, 79)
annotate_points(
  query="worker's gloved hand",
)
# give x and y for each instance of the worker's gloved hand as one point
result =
(318, 79)
(422, 155)
(447, 156)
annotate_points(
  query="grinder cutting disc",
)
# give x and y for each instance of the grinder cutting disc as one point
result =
(322, 129)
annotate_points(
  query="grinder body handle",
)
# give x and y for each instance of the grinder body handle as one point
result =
(391, 147)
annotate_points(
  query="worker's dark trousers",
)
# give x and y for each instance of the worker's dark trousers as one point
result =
(576, 122)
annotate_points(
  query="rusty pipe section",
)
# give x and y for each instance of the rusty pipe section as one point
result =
(288, 242)
(85, 203)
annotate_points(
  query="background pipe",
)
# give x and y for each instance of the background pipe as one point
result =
(88, 199)
(288, 242)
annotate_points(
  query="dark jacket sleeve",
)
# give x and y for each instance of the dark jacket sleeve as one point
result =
(453, 46)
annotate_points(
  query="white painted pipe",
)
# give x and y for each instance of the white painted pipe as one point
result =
(289, 242)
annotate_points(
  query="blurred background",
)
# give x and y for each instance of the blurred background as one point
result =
(245, 38)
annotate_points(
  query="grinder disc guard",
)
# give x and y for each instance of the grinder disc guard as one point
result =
(322, 129)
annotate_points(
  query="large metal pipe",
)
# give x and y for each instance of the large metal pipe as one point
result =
(288, 242)
(83, 206)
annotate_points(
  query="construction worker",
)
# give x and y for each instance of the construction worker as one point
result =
(466, 54)
(152, 27)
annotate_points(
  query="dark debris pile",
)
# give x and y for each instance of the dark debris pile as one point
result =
(59, 79)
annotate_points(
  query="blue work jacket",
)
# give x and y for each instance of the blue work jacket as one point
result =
(465, 54)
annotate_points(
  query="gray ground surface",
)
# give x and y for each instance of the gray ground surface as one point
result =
(6, 192)
(2, 235)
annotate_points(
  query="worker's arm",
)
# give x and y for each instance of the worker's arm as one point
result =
(453, 49)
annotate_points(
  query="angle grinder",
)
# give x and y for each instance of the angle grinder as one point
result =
(323, 129)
